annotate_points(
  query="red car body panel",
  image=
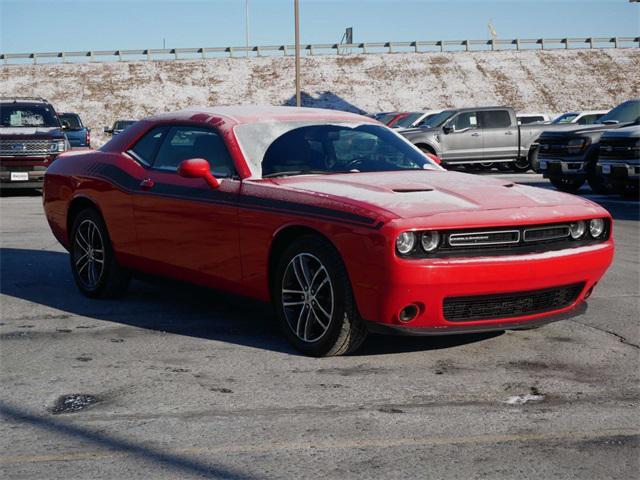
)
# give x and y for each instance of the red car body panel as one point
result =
(222, 238)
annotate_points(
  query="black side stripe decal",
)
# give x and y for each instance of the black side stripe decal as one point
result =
(130, 184)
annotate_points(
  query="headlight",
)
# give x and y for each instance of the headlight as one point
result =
(576, 145)
(405, 242)
(58, 146)
(430, 240)
(596, 227)
(577, 229)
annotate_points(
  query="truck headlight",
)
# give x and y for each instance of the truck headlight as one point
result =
(430, 240)
(577, 229)
(58, 146)
(405, 242)
(576, 145)
(596, 227)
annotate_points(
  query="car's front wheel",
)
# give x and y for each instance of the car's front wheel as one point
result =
(314, 301)
(93, 264)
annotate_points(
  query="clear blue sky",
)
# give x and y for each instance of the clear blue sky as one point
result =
(57, 25)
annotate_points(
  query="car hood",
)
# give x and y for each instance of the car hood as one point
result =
(573, 129)
(420, 193)
(34, 133)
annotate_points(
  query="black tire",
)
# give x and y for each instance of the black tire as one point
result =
(567, 184)
(486, 165)
(344, 331)
(503, 166)
(598, 184)
(521, 165)
(109, 281)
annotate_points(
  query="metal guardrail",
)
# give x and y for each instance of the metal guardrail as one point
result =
(332, 48)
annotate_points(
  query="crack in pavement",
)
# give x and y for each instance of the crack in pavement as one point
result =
(621, 338)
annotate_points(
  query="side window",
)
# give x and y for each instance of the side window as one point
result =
(145, 149)
(588, 119)
(495, 119)
(185, 142)
(465, 120)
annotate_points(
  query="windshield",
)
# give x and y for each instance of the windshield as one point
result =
(122, 124)
(627, 112)
(565, 118)
(386, 117)
(408, 120)
(27, 115)
(439, 119)
(72, 119)
(296, 148)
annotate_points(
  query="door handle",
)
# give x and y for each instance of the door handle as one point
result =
(508, 133)
(475, 134)
(147, 184)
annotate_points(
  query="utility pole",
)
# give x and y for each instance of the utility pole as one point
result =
(297, 22)
(246, 24)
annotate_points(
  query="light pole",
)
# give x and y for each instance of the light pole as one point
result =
(246, 25)
(297, 22)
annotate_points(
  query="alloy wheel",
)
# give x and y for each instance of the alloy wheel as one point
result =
(88, 254)
(307, 297)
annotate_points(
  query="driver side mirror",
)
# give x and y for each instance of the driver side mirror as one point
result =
(447, 129)
(198, 168)
(107, 130)
(65, 125)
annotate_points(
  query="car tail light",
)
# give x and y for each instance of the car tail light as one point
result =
(88, 139)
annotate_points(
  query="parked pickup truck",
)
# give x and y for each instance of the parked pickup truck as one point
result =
(477, 136)
(619, 160)
(31, 137)
(79, 136)
(568, 156)
(118, 126)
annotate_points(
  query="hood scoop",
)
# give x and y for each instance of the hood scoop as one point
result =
(412, 190)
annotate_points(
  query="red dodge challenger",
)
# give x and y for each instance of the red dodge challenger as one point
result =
(341, 223)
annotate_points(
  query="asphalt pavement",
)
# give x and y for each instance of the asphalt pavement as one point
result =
(175, 381)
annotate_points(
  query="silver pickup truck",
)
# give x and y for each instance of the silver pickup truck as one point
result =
(478, 136)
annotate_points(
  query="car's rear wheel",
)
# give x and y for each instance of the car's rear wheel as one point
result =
(93, 264)
(314, 301)
(567, 184)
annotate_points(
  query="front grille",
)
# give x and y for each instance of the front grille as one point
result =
(509, 305)
(619, 149)
(20, 148)
(553, 147)
(537, 234)
(498, 237)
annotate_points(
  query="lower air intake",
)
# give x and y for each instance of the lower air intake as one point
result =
(507, 305)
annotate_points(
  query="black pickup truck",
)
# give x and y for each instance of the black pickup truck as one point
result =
(568, 157)
(619, 160)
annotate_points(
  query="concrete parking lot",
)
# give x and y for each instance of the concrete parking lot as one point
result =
(181, 382)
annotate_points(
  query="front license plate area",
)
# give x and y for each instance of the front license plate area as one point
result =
(606, 168)
(19, 176)
(543, 165)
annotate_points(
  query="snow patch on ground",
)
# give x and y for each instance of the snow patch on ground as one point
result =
(522, 399)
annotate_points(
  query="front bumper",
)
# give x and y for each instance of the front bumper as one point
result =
(426, 283)
(562, 167)
(576, 311)
(619, 171)
(30, 177)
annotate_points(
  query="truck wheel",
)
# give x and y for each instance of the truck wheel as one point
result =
(598, 184)
(93, 263)
(566, 184)
(486, 165)
(314, 301)
(503, 167)
(521, 165)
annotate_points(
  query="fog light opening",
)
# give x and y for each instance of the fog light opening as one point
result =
(408, 313)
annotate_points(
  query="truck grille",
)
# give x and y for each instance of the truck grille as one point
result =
(619, 149)
(553, 147)
(20, 148)
(508, 305)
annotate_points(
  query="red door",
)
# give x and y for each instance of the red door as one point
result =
(185, 228)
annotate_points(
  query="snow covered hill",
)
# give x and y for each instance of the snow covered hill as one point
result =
(540, 81)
